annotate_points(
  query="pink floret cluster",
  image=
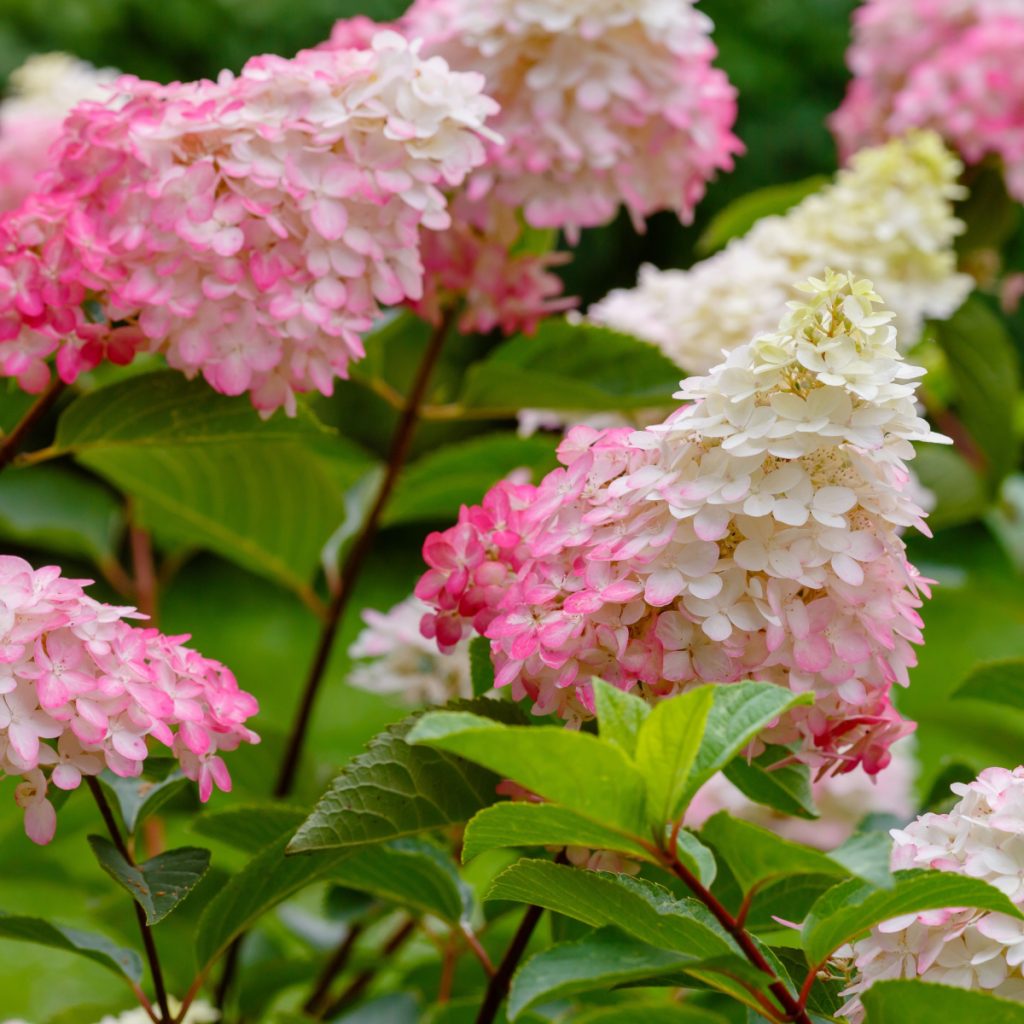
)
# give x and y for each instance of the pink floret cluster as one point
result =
(950, 65)
(82, 690)
(250, 228)
(981, 837)
(752, 535)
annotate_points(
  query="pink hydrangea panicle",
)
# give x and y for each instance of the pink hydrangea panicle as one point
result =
(754, 534)
(604, 103)
(82, 690)
(982, 837)
(250, 229)
(950, 65)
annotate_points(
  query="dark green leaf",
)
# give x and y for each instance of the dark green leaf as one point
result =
(918, 1002)
(481, 667)
(250, 828)
(619, 715)
(159, 884)
(396, 1008)
(137, 799)
(786, 789)
(997, 682)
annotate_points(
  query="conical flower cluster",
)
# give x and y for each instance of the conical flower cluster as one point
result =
(888, 217)
(752, 535)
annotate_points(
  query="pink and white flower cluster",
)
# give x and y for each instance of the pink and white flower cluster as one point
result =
(951, 65)
(982, 837)
(43, 91)
(752, 535)
(248, 228)
(603, 103)
(81, 691)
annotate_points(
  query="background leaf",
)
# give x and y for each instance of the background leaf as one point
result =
(786, 789)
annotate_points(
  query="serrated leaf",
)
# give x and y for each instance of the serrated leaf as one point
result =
(481, 668)
(575, 769)
(666, 748)
(640, 908)
(436, 485)
(997, 682)
(98, 948)
(137, 799)
(203, 469)
(529, 824)
(158, 885)
(250, 828)
(919, 1002)
(786, 789)
(395, 789)
(852, 907)
(602, 960)
(619, 715)
(571, 366)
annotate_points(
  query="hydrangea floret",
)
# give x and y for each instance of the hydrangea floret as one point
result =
(248, 228)
(82, 690)
(754, 534)
(888, 216)
(982, 837)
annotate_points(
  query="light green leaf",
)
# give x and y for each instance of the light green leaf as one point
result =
(575, 769)
(847, 910)
(696, 856)
(98, 948)
(918, 1002)
(437, 484)
(396, 789)
(619, 715)
(252, 827)
(529, 824)
(137, 799)
(867, 855)
(159, 884)
(786, 789)
(204, 470)
(600, 961)
(996, 682)
(666, 748)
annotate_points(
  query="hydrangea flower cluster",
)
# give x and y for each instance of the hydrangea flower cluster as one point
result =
(43, 91)
(888, 217)
(401, 660)
(604, 102)
(951, 65)
(249, 228)
(843, 801)
(983, 837)
(752, 535)
(81, 691)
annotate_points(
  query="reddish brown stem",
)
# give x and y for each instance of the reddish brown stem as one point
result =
(500, 981)
(144, 566)
(11, 443)
(478, 950)
(334, 967)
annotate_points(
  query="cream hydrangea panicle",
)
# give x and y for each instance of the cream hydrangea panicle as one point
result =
(950, 65)
(888, 216)
(42, 92)
(604, 103)
(982, 837)
(399, 659)
(248, 228)
(82, 690)
(754, 534)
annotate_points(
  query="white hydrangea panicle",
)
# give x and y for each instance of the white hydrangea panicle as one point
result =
(887, 217)
(982, 837)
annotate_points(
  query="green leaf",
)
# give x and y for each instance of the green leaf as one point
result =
(529, 824)
(619, 715)
(756, 855)
(852, 907)
(252, 827)
(649, 1013)
(996, 682)
(204, 470)
(268, 879)
(739, 713)
(481, 668)
(742, 214)
(603, 960)
(159, 884)
(436, 485)
(666, 748)
(961, 494)
(58, 508)
(867, 855)
(786, 789)
(640, 908)
(571, 366)
(101, 950)
(984, 364)
(696, 856)
(137, 799)
(918, 1002)
(575, 769)
(396, 789)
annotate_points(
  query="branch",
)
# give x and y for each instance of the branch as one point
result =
(498, 986)
(147, 933)
(334, 966)
(12, 442)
